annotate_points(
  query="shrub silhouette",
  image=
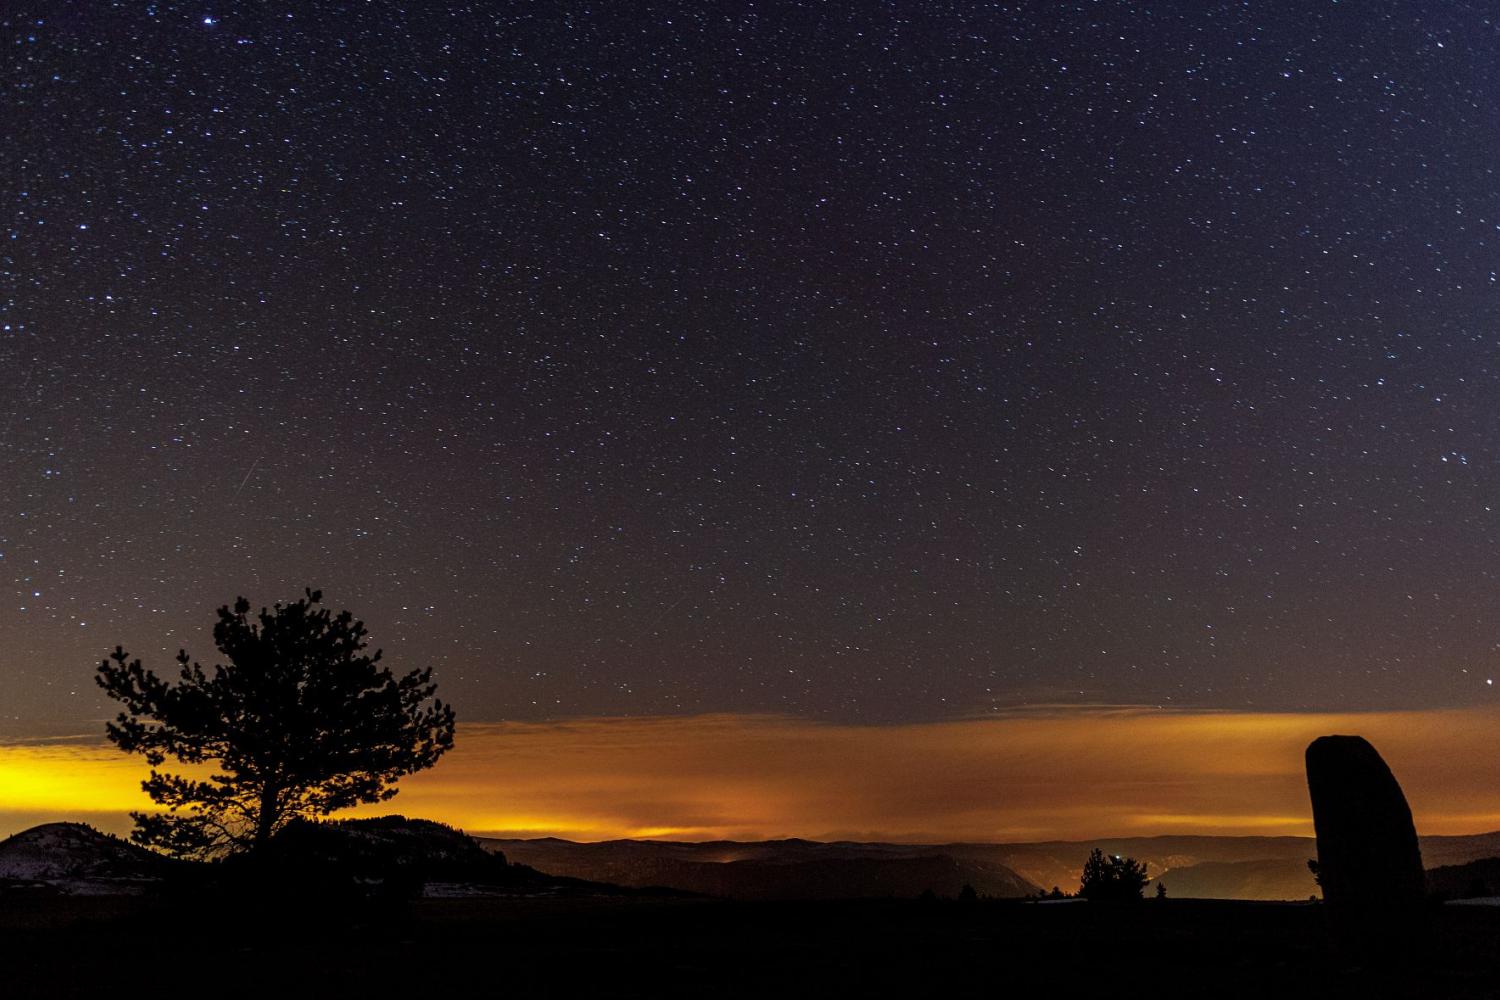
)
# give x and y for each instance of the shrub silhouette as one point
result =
(1109, 877)
(300, 722)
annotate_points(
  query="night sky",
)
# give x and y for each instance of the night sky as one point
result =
(871, 362)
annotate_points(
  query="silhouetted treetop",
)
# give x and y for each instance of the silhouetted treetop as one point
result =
(300, 721)
(1112, 877)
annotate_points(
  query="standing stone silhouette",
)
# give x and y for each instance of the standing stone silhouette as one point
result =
(1369, 864)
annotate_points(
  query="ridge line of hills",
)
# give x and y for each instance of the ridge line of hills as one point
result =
(1244, 867)
(423, 857)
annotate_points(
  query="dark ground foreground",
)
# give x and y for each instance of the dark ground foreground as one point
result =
(665, 948)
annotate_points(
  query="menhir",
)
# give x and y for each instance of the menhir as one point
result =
(1369, 865)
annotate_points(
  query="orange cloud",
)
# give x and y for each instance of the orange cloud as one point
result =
(1068, 774)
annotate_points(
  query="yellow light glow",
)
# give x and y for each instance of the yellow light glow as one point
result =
(1055, 774)
(56, 778)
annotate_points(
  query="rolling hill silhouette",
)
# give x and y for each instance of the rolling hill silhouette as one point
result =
(76, 859)
(781, 869)
(1193, 866)
(389, 856)
(1473, 879)
(412, 856)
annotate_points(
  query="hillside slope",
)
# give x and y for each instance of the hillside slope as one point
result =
(76, 859)
(1192, 866)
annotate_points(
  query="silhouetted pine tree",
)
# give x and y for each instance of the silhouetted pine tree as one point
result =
(300, 722)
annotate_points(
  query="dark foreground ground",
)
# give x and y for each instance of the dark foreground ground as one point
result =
(682, 948)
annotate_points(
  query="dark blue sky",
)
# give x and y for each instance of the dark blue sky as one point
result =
(877, 363)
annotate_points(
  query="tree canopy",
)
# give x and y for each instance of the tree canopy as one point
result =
(300, 721)
(1111, 876)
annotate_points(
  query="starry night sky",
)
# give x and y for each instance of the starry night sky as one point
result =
(865, 362)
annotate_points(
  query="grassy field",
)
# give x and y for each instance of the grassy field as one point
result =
(665, 948)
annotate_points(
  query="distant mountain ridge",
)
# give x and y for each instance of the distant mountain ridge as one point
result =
(1189, 866)
(419, 856)
(785, 869)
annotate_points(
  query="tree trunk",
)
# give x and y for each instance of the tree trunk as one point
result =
(265, 820)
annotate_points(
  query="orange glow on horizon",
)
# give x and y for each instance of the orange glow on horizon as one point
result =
(1067, 774)
(59, 776)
